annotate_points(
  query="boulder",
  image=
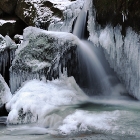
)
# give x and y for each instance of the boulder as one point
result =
(8, 6)
(40, 55)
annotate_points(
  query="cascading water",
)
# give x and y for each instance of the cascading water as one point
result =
(59, 109)
(93, 75)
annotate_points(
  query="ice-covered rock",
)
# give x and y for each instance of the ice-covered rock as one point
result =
(37, 100)
(40, 54)
(5, 94)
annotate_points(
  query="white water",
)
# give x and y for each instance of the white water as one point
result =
(91, 60)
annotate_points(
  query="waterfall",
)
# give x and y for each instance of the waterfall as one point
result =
(93, 66)
(80, 24)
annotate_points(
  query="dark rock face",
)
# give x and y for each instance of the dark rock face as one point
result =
(22, 6)
(11, 26)
(1, 13)
(3, 112)
(123, 12)
(8, 6)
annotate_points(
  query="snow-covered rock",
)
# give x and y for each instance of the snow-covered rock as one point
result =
(5, 94)
(40, 54)
(18, 39)
(42, 13)
(37, 100)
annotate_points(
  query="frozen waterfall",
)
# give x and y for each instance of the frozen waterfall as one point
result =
(93, 67)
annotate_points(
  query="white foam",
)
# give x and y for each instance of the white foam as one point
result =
(86, 121)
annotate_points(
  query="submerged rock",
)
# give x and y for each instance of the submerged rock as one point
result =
(40, 55)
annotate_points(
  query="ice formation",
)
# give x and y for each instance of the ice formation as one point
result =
(7, 51)
(40, 55)
(36, 100)
(121, 51)
(5, 94)
(124, 56)
(70, 14)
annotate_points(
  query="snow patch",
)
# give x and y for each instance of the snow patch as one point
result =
(6, 21)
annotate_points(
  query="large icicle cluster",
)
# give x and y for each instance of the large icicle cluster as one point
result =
(40, 55)
(7, 51)
(122, 52)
